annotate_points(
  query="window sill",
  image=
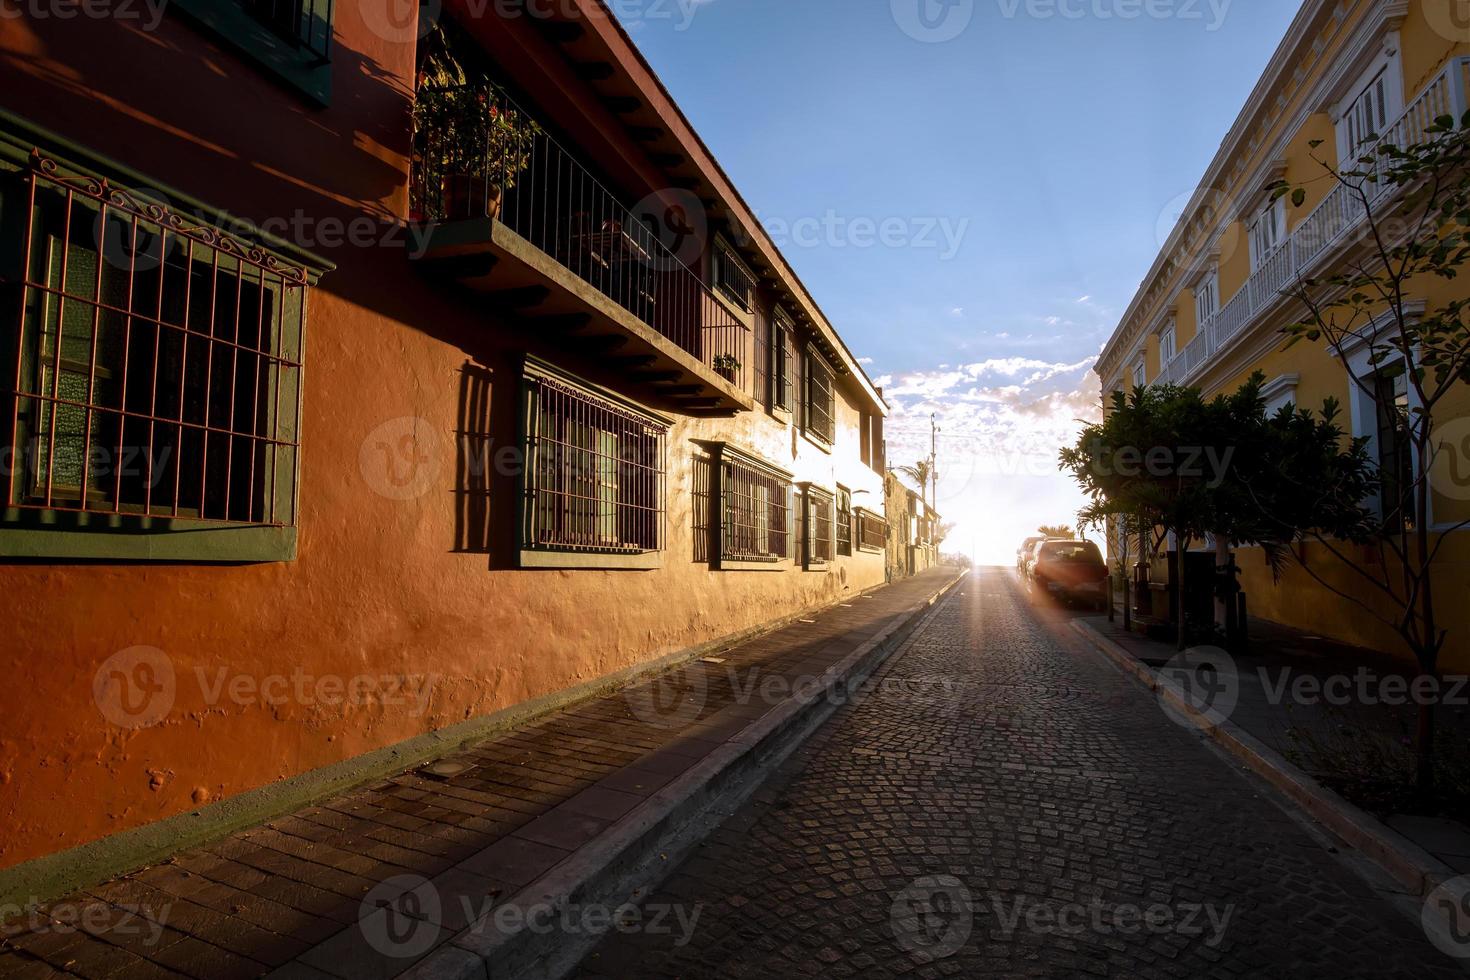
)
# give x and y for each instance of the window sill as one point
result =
(866, 549)
(816, 566)
(110, 538)
(735, 565)
(817, 441)
(236, 28)
(641, 561)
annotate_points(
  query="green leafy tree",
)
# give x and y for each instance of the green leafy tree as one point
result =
(1141, 461)
(1056, 530)
(1410, 194)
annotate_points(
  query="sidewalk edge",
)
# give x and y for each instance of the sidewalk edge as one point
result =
(651, 840)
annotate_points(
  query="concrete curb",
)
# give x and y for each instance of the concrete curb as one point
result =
(1414, 868)
(633, 854)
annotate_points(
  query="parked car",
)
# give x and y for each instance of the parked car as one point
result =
(1070, 570)
(1023, 553)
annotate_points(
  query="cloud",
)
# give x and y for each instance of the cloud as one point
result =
(1002, 421)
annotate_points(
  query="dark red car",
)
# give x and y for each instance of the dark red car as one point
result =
(1071, 570)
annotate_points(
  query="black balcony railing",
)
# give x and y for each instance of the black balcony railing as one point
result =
(477, 154)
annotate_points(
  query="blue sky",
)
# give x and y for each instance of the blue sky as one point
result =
(1024, 168)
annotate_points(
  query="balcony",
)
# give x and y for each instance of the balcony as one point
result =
(514, 215)
(1319, 239)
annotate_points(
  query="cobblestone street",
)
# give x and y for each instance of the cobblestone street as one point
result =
(1005, 803)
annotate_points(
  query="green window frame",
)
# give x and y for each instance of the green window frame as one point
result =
(156, 377)
(594, 483)
(289, 39)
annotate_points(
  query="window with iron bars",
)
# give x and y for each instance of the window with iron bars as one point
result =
(594, 473)
(288, 39)
(755, 511)
(305, 24)
(783, 361)
(844, 521)
(817, 526)
(872, 531)
(820, 408)
(734, 279)
(157, 362)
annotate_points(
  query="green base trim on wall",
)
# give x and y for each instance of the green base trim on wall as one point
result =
(55, 875)
(26, 534)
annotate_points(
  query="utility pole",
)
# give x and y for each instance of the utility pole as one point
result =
(934, 462)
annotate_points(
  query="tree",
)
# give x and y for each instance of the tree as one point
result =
(1056, 531)
(1144, 460)
(919, 473)
(942, 531)
(1411, 204)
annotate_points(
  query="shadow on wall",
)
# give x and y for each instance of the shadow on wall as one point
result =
(475, 461)
(703, 546)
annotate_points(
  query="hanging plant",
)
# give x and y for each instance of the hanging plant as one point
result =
(471, 143)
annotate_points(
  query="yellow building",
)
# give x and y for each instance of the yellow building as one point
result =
(1211, 309)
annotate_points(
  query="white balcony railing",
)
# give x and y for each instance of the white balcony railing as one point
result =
(1337, 216)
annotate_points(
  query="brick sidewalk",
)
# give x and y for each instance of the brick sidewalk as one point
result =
(295, 896)
(1282, 698)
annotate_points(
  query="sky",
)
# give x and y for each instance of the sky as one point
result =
(972, 190)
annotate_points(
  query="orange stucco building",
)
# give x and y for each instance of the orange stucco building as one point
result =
(338, 429)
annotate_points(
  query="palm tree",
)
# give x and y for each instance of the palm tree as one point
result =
(919, 473)
(1056, 531)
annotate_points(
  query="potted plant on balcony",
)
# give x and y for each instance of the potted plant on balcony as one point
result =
(726, 365)
(470, 142)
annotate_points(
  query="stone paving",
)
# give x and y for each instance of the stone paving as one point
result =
(1007, 803)
(1294, 691)
(304, 895)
